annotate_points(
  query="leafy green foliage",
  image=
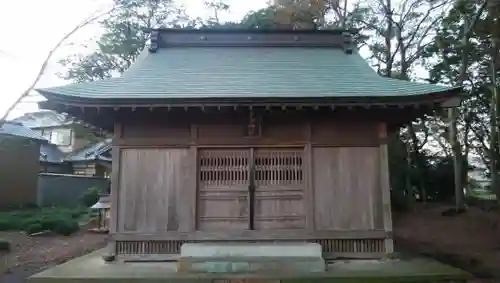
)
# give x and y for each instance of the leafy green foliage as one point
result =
(439, 181)
(91, 197)
(59, 220)
(261, 19)
(122, 40)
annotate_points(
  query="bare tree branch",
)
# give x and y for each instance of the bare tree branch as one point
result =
(423, 20)
(46, 61)
(472, 23)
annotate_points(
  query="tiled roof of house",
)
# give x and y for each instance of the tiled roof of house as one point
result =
(44, 119)
(16, 129)
(95, 151)
(51, 153)
(186, 66)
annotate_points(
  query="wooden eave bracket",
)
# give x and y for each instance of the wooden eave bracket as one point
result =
(347, 42)
(154, 41)
(452, 102)
(268, 106)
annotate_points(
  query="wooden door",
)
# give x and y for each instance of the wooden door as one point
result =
(223, 189)
(259, 189)
(279, 189)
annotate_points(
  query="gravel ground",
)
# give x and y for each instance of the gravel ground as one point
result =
(30, 255)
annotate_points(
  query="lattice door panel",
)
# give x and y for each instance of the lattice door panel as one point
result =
(279, 194)
(223, 189)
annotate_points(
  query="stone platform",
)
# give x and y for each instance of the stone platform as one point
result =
(249, 258)
(91, 268)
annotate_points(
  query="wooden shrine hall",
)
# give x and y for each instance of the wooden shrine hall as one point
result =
(250, 136)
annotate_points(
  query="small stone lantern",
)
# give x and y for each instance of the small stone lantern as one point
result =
(103, 206)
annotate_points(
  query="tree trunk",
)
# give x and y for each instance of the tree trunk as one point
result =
(388, 37)
(417, 163)
(452, 113)
(409, 189)
(457, 160)
(493, 123)
(465, 160)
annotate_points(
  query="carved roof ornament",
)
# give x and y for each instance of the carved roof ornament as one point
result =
(253, 124)
(154, 39)
(347, 43)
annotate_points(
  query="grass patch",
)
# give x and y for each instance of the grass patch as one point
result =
(62, 221)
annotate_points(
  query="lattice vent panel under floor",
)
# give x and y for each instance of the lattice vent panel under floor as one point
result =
(344, 246)
(352, 246)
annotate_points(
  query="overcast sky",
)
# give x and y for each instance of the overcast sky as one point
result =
(31, 28)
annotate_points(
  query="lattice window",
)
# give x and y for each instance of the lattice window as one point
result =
(224, 167)
(278, 167)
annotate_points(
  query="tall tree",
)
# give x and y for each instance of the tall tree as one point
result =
(123, 38)
(493, 21)
(216, 7)
(400, 32)
(455, 57)
(301, 14)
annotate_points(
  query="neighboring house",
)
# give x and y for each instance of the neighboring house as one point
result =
(92, 160)
(71, 144)
(19, 164)
(52, 160)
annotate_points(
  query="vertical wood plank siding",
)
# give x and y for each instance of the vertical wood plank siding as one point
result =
(191, 178)
(152, 182)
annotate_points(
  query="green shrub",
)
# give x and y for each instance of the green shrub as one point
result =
(6, 224)
(90, 197)
(65, 227)
(63, 221)
(4, 245)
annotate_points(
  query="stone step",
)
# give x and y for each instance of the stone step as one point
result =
(251, 249)
(251, 265)
(250, 258)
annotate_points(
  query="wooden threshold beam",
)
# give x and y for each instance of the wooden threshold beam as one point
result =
(254, 235)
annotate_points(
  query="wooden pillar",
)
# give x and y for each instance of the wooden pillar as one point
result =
(115, 189)
(385, 187)
(192, 195)
(308, 178)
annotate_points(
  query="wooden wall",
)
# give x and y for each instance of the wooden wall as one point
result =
(19, 167)
(162, 187)
(153, 182)
(346, 188)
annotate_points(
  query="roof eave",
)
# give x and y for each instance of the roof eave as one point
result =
(251, 30)
(74, 101)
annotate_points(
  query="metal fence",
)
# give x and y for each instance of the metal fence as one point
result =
(66, 190)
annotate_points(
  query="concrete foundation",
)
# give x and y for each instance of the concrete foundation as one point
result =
(241, 258)
(92, 269)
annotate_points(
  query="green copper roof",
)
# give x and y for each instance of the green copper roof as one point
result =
(246, 72)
